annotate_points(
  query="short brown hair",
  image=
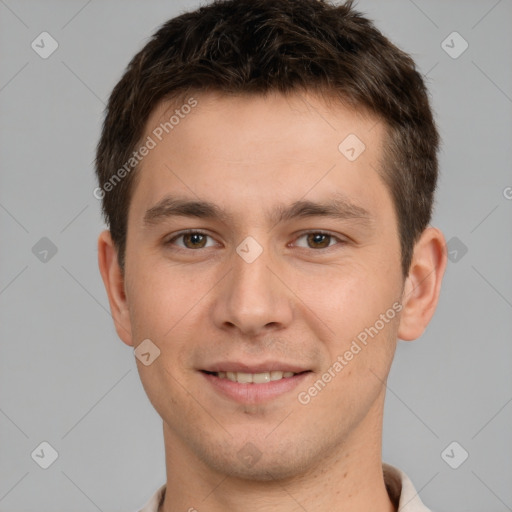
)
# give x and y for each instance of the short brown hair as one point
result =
(261, 46)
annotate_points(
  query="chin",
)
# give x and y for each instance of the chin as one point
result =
(262, 471)
(270, 463)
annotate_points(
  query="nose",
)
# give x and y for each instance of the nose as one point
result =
(252, 298)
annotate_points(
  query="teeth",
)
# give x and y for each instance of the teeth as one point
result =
(257, 378)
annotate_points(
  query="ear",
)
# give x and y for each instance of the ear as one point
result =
(114, 284)
(423, 284)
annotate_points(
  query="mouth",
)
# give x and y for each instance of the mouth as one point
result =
(254, 387)
(254, 378)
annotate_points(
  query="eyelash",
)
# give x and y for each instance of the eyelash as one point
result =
(315, 232)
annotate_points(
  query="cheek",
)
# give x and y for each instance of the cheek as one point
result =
(168, 394)
(354, 376)
(347, 296)
(165, 305)
(147, 305)
(353, 312)
(158, 311)
(155, 286)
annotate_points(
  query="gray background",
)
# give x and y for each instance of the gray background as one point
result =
(66, 378)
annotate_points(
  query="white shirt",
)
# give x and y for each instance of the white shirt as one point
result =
(398, 485)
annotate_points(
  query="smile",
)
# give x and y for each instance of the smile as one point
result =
(256, 378)
(252, 388)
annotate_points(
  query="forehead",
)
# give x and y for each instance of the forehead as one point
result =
(249, 150)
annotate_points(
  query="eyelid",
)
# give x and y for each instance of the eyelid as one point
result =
(175, 236)
(340, 240)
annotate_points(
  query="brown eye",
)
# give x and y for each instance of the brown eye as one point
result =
(194, 240)
(191, 240)
(318, 240)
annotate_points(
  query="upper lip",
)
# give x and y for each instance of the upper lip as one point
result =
(269, 366)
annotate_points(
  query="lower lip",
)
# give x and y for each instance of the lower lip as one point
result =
(254, 393)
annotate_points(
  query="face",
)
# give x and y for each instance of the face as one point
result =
(289, 274)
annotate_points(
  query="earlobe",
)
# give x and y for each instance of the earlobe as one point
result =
(114, 285)
(423, 284)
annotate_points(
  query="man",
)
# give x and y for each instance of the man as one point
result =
(267, 171)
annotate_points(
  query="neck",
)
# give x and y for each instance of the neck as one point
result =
(349, 479)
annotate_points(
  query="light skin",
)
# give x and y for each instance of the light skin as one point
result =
(303, 301)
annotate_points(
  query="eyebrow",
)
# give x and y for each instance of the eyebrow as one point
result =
(336, 207)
